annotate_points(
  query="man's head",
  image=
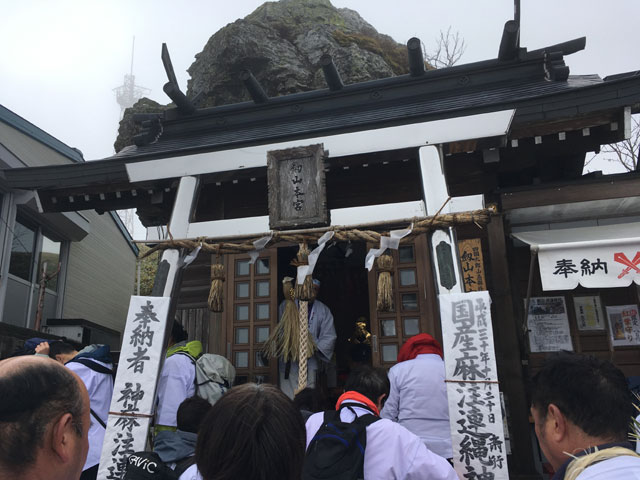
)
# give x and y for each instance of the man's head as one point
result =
(62, 352)
(191, 412)
(371, 382)
(310, 399)
(178, 333)
(44, 420)
(577, 402)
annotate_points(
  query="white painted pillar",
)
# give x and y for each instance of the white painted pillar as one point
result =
(434, 185)
(141, 357)
(446, 265)
(441, 242)
(179, 226)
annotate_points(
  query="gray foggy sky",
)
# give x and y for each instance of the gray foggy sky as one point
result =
(60, 59)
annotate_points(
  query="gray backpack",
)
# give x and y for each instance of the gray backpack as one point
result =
(214, 376)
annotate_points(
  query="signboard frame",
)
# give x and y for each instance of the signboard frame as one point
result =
(297, 188)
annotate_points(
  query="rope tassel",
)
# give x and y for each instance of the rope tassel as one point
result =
(385, 285)
(304, 292)
(217, 288)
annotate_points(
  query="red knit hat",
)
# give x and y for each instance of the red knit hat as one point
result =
(418, 344)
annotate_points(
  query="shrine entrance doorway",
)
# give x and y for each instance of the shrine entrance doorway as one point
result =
(345, 290)
(254, 293)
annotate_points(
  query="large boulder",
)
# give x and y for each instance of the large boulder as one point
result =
(281, 43)
(128, 128)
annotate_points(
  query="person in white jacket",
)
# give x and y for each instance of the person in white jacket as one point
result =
(391, 451)
(324, 336)
(176, 381)
(418, 396)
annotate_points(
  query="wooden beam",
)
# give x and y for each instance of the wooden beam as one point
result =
(508, 351)
(436, 132)
(605, 188)
(546, 127)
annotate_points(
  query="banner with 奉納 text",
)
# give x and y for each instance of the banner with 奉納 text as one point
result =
(475, 414)
(132, 404)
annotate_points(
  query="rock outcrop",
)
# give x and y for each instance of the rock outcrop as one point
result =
(127, 128)
(281, 43)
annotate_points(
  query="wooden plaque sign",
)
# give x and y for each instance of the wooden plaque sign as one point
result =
(472, 265)
(297, 192)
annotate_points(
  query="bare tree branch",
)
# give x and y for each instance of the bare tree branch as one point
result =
(449, 49)
(625, 152)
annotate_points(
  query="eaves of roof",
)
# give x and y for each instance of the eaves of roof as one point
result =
(39, 135)
(534, 100)
(589, 180)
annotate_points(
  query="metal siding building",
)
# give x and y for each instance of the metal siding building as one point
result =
(95, 253)
(100, 275)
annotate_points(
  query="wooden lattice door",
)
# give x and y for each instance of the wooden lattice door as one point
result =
(251, 312)
(415, 310)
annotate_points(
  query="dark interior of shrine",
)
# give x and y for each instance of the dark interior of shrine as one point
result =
(344, 289)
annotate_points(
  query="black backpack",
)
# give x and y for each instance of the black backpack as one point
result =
(337, 449)
(96, 367)
(147, 466)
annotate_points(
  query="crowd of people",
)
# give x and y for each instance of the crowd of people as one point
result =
(395, 425)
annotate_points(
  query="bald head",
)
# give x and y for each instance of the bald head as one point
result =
(37, 394)
(13, 364)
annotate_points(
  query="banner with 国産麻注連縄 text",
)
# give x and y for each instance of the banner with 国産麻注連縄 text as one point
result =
(475, 414)
(132, 404)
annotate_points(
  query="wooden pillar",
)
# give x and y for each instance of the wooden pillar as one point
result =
(507, 341)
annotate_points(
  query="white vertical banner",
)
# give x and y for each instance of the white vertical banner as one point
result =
(132, 405)
(475, 416)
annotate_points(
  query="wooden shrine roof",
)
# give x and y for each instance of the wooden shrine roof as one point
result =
(543, 103)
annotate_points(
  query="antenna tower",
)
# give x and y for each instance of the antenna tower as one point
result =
(129, 93)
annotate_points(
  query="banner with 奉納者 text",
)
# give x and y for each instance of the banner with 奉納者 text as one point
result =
(132, 404)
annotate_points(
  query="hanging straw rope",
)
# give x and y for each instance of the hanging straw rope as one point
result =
(302, 366)
(304, 293)
(579, 464)
(217, 288)
(284, 341)
(420, 225)
(385, 286)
